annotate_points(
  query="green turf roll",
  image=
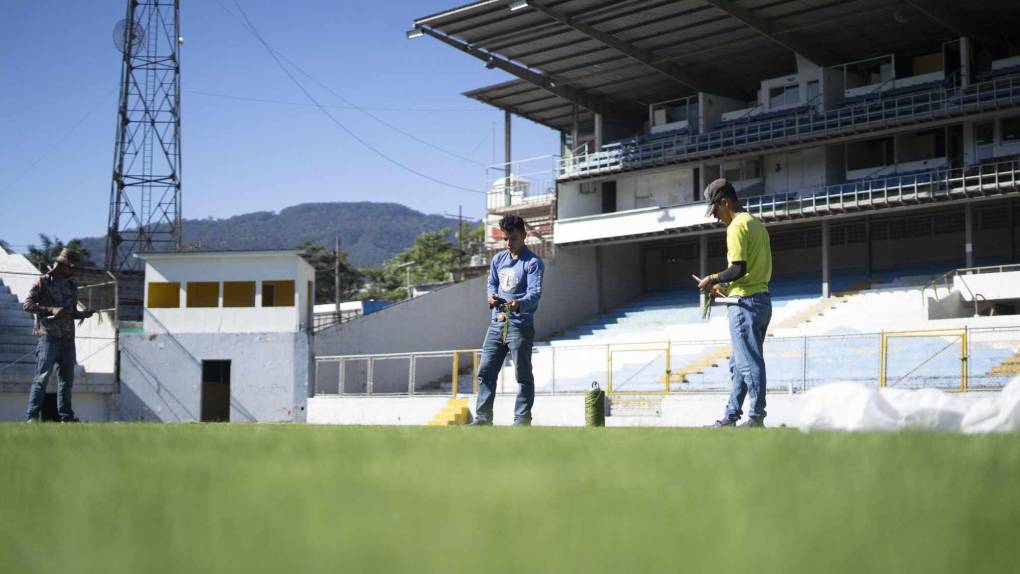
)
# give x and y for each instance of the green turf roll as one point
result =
(595, 407)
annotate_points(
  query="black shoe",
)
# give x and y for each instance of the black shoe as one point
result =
(480, 423)
(35, 419)
(70, 419)
(753, 423)
(522, 422)
(722, 423)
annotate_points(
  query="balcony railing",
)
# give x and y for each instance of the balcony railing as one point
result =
(924, 187)
(870, 115)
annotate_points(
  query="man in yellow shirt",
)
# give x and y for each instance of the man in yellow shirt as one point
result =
(749, 255)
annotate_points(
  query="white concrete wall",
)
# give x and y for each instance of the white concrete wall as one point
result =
(655, 189)
(161, 375)
(89, 407)
(794, 171)
(17, 273)
(711, 108)
(572, 203)
(612, 225)
(220, 267)
(550, 410)
(456, 317)
(988, 286)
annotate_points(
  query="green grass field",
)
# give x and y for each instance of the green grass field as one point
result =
(288, 498)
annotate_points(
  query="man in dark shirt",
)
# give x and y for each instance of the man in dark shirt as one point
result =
(54, 302)
(515, 286)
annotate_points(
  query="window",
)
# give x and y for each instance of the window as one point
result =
(201, 294)
(238, 293)
(164, 295)
(869, 154)
(813, 91)
(1011, 129)
(277, 293)
(784, 96)
(984, 133)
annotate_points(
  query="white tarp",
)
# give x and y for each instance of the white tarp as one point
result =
(853, 407)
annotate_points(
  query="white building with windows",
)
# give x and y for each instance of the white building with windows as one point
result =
(226, 336)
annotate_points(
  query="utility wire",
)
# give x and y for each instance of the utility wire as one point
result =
(348, 107)
(273, 53)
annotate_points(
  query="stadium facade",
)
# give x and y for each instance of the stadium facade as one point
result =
(879, 141)
(870, 135)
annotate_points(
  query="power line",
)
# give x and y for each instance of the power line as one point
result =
(251, 28)
(335, 107)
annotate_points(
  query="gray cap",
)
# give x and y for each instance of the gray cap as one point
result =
(717, 190)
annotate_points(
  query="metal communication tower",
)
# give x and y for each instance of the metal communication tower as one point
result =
(145, 198)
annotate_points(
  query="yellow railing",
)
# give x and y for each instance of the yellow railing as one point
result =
(957, 335)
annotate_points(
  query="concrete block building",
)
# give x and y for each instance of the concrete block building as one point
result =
(226, 336)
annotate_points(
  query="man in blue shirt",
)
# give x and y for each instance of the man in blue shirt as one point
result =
(515, 286)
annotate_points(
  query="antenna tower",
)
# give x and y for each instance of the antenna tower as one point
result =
(145, 197)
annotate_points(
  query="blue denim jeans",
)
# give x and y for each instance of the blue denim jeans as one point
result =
(49, 353)
(749, 321)
(518, 344)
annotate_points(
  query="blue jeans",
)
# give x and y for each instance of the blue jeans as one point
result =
(49, 353)
(749, 321)
(518, 344)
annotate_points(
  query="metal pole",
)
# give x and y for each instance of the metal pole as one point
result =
(881, 359)
(506, 157)
(968, 215)
(703, 263)
(609, 370)
(407, 271)
(369, 382)
(803, 363)
(825, 258)
(669, 372)
(340, 376)
(456, 371)
(410, 374)
(336, 278)
(964, 360)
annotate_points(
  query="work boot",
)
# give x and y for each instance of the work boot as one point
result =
(480, 422)
(34, 419)
(722, 423)
(70, 419)
(522, 422)
(753, 423)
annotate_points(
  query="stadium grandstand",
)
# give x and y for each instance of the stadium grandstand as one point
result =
(879, 142)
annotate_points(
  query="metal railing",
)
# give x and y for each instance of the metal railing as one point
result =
(946, 280)
(934, 185)
(905, 359)
(869, 115)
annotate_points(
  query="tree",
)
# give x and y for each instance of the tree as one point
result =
(44, 255)
(5, 246)
(324, 262)
(433, 256)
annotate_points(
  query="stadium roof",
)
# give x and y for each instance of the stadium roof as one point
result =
(616, 57)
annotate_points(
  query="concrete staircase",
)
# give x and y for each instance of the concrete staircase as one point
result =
(1007, 368)
(17, 343)
(716, 355)
(456, 412)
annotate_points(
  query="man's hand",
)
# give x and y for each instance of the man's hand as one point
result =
(58, 312)
(716, 291)
(513, 305)
(492, 300)
(705, 282)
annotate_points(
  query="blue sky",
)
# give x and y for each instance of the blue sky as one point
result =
(60, 71)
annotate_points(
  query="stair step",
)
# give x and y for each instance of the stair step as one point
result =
(17, 348)
(12, 338)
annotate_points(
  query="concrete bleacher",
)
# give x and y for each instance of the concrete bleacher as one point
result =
(813, 341)
(17, 343)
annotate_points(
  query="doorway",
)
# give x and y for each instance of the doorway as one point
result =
(215, 391)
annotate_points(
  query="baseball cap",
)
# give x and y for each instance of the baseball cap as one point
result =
(717, 190)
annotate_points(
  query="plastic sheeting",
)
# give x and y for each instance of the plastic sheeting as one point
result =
(854, 407)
